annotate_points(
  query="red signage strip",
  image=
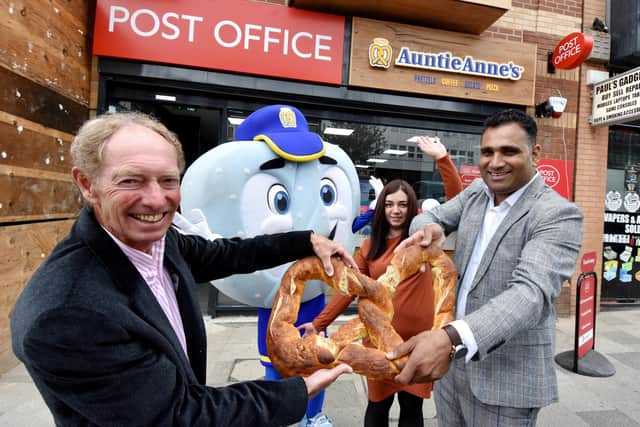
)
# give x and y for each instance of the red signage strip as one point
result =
(588, 262)
(572, 51)
(231, 35)
(585, 327)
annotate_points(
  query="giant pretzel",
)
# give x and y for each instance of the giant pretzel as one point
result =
(292, 354)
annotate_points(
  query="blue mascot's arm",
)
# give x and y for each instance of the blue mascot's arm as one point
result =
(362, 220)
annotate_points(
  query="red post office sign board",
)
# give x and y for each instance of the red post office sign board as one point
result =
(572, 51)
(231, 35)
(557, 174)
(586, 314)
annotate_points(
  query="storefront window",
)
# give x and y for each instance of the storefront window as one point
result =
(389, 152)
(621, 240)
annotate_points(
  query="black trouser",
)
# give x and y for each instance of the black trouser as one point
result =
(377, 413)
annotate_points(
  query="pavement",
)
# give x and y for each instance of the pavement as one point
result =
(232, 355)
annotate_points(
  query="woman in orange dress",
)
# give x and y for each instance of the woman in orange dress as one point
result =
(413, 301)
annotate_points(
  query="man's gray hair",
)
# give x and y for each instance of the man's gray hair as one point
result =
(88, 146)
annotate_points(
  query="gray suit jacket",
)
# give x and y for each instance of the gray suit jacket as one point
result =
(510, 305)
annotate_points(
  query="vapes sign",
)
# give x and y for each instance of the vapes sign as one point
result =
(231, 35)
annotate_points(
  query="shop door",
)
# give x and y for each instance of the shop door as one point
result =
(198, 128)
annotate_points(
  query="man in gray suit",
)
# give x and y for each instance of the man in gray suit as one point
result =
(518, 241)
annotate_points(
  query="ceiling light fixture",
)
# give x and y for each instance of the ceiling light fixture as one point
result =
(338, 131)
(362, 166)
(235, 120)
(165, 98)
(372, 160)
(395, 152)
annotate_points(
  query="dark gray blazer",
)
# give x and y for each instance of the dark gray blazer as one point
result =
(101, 351)
(510, 306)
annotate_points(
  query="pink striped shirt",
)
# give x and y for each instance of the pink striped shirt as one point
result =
(157, 277)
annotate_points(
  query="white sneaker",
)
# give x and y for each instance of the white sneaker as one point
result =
(320, 420)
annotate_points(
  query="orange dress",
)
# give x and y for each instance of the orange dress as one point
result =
(413, 307)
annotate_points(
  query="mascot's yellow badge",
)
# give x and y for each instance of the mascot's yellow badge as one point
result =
(287, 118)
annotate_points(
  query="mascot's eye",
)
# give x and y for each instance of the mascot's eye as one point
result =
(328, 192)
(278, 199)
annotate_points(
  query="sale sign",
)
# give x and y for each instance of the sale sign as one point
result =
(572, 51)
(557, 174)
(231, 35)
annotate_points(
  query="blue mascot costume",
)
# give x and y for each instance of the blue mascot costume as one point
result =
(276, 176)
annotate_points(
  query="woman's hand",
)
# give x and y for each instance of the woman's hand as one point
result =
(432, 147)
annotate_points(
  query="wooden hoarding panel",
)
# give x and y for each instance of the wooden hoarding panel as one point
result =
(35, 172)
(27, 148)
(22, 250)
(22, 97)
(399, 57)
(26, 198)
(47, 42)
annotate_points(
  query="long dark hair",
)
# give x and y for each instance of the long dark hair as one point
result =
(380, 225)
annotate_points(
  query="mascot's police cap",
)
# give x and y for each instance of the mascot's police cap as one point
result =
(286, 132)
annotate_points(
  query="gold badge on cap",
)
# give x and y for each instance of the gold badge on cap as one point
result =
(287, 118)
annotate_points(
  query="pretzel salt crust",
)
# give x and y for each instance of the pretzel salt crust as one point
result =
(292, 354)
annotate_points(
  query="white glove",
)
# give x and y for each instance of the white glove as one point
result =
(377, 185)
(196, 224)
